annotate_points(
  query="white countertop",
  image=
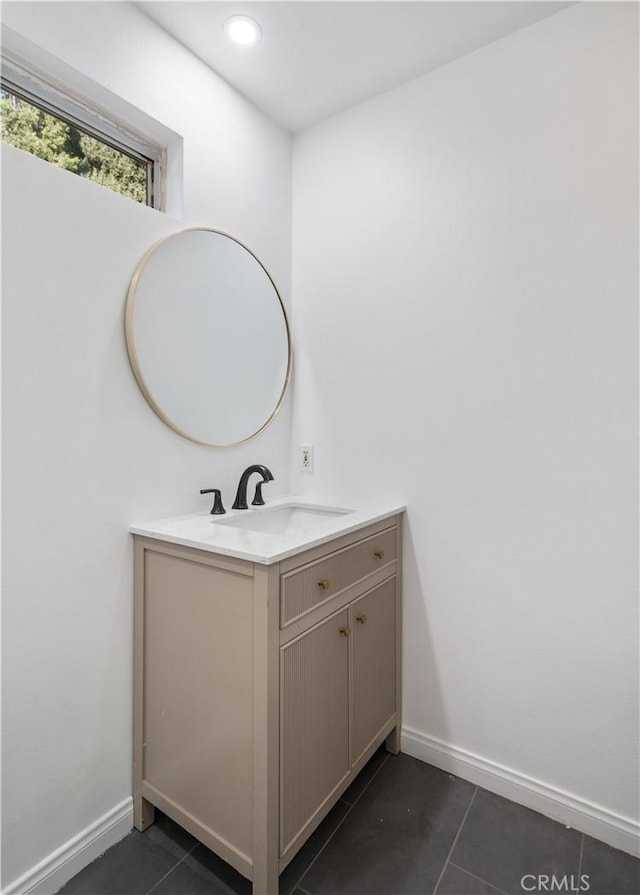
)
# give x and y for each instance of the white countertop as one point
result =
(207, 532)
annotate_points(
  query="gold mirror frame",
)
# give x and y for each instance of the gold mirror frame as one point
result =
(135, 361)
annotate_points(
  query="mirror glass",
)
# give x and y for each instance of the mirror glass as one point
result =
(208, 337)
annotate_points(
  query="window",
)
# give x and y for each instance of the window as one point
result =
(40, 120)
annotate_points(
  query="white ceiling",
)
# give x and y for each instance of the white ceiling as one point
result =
(318, 58)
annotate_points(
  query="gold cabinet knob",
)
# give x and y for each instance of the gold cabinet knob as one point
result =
(379, 554)
(346, 631)
(362, 619)
(323, 583)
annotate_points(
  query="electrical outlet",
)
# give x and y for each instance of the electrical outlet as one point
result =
(306, 458)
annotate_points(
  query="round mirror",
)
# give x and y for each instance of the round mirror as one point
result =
(208, 337)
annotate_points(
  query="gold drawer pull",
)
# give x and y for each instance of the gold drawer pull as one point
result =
(379, 554)
(324, 583)
(362, 619)
(346, 632)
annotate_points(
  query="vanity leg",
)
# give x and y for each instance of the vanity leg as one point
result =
(266, 730)
(144, 813)
(392, 742)
(265, 879)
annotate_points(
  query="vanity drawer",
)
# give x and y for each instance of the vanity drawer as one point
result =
(305, 588)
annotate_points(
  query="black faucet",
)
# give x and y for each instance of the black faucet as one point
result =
(240, 503)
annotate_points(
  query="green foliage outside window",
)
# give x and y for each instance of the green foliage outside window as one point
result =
(35, 131)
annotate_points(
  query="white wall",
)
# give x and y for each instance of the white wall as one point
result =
(465, 278)
(83, 454)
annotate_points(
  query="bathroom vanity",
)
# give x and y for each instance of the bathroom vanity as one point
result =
(267, 672)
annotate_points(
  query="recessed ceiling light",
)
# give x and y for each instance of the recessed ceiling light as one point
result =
(243, 30)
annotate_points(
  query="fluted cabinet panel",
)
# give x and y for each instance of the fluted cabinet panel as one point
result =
(314, 745)
(374, 664)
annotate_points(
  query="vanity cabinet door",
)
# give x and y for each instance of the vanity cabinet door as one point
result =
(314, 735)
(374, 664)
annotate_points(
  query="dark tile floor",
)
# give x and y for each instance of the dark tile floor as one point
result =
(403, 828)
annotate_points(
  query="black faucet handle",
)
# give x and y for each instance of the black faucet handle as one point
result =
(217, 509)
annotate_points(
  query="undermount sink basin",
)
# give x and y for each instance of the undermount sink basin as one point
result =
(283, 520)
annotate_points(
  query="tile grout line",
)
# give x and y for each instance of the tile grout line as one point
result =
(479, 878)
(366, 787)
(373, 777)
(453, 844)
(580, 858)
(338, 825)
(169, 872)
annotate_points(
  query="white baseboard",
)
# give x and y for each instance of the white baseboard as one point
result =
(57, 868)
(614, 829)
